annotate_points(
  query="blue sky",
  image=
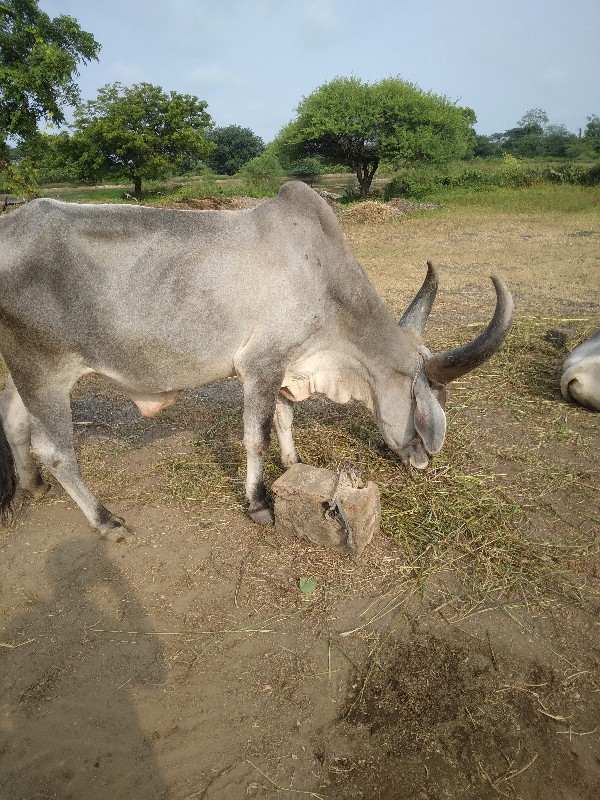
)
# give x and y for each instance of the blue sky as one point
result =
(253, 60)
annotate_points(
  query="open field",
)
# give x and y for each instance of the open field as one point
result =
(458, 659)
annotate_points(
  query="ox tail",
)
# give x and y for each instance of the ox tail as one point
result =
(8, 476)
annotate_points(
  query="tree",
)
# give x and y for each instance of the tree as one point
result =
(139, 133)
(592, 129)
(557, 140)
(592, 136)
(51, 156)
(524, 141)
(38, 58)
(358, 124)
(234, 147)
(535, 116)
(487, 146)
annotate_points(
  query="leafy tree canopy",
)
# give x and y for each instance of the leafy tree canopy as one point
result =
(234, 147)
(535, 137)
(139, 133)
(535, 118)
(592, 129)
(347, 121)
(38, 58)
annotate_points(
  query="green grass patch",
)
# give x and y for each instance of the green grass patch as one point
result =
(541, 199)
(90, 195)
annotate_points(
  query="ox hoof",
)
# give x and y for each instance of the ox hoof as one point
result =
(117, 534)
(115, 530)
(263, 516)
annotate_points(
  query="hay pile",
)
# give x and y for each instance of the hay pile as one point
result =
(372, 211)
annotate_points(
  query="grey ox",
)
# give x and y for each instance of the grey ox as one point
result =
(158, 301)
(581, 374)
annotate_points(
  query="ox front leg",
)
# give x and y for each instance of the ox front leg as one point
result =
(52, 441)
(260, 397)
(284, 416)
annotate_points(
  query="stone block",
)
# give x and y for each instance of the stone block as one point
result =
(332, 509)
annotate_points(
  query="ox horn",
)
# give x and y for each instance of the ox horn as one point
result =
(418, 311)
(451, 364)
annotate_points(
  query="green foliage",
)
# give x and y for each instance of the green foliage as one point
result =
(207, 186)
(486, 147)
(38, 59)
(50, 155)
(305, 168)
(535, 137)
(426, 182)
(535, 117)
(234, 147)
(262, 175)
(592, 133)
(139, 133)
(347, 121)
(592, 129)
(591, 176)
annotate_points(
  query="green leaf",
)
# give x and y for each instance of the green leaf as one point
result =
(307, 585)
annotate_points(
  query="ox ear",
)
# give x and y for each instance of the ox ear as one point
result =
(429, 416)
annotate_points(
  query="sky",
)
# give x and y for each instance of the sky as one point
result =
(254, 60)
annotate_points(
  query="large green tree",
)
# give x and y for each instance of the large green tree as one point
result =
(350, 122)
(139, 133)
(39, 57)
(234, 147)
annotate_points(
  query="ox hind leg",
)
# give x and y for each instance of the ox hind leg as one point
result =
(52, 441)
(17, 426)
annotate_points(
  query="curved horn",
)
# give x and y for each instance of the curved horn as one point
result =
(451, 364)
(418, 311)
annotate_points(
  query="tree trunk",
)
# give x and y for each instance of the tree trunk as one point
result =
(137, 187)
(364, 173)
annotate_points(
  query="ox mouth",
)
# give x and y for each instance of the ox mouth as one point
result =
(414, 455)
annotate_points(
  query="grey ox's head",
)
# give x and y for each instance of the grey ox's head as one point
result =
(409, 403)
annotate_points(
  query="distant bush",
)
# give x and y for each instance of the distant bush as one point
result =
(509, 172)
(200, 189)
(591, 177)
(416, 183)
(306, 169)
(262, 176)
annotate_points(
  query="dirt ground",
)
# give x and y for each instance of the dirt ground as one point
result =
(187, 663)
